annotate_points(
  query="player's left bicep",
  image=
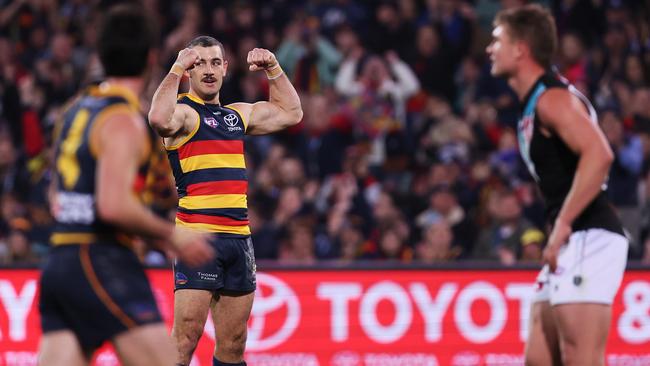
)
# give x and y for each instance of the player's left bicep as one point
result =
(266, 117)
(566, 115)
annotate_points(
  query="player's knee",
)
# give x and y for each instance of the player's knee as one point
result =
(186, 332)
(571, 354)
(530, 360)
(533, 360)
(234, 344)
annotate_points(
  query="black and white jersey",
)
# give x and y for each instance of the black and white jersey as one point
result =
(552, 163)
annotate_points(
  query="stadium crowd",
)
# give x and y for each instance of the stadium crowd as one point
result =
(408, 147)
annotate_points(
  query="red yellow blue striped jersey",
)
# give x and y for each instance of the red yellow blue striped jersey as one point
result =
(74, 207)
(210, 170)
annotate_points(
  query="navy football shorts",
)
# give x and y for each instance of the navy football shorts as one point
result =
(97, 291)
(232, 270)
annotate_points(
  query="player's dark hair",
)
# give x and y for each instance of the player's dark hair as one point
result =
(206, 41)
(125, 37)
(534, 25)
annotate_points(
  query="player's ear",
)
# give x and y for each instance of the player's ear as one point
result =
(521, 49)
(225, 67)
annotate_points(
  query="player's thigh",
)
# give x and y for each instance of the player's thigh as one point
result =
(145, 345)
(191, 309)
(542, 346)
(61, 348)
(583, 327)
(230, 314)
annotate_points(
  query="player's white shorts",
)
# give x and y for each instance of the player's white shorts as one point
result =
(589, 269)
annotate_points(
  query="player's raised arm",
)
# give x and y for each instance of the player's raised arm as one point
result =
(165, 116)
(283, 108)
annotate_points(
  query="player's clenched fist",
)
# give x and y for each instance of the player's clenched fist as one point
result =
(261, 59)
(187, 57)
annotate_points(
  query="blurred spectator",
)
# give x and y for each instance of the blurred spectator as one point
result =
(334, 14)
(510, 238)
(308, 58)
(389, 30)
(444, 136)
(298, 244)
(581, 16)
(382, 87)
(263, 234)
(19, 249)
(485, 126)
(506, 159)
(436, 245)
(13, 172)
(625, 172)
(289, 203)
(432, 63)
(574, 63)
(456, 20)
(467, 82)
(324, 138)
(350, 242)
(348, 43)
(443, 205)
(388, 242)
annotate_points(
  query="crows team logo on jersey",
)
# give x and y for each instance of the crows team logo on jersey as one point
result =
(211, 121)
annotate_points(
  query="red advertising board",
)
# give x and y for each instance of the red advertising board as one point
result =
(355, 318)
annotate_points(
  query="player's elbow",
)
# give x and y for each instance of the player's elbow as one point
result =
(295, 115)
(607, 156)
(156, 120)
(160, 123)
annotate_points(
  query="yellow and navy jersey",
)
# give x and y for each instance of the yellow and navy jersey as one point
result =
(75, 208)
(210, 170)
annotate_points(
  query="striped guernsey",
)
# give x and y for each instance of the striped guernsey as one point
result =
(210, 170)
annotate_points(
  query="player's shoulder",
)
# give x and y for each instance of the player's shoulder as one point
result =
(189, 100)
(553, 100)
(186, 108)
(117, 128)
(122, 124)
(556, 105)
(188, 104)
(237, 106)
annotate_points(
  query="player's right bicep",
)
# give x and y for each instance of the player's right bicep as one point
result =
(169, 126)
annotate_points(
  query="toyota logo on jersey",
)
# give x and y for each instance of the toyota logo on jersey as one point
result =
(231, 120)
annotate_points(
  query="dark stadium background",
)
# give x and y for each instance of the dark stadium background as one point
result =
(407, 154)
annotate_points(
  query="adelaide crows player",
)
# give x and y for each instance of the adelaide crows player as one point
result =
(93, 288)
(204, 141)
(569, 157)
